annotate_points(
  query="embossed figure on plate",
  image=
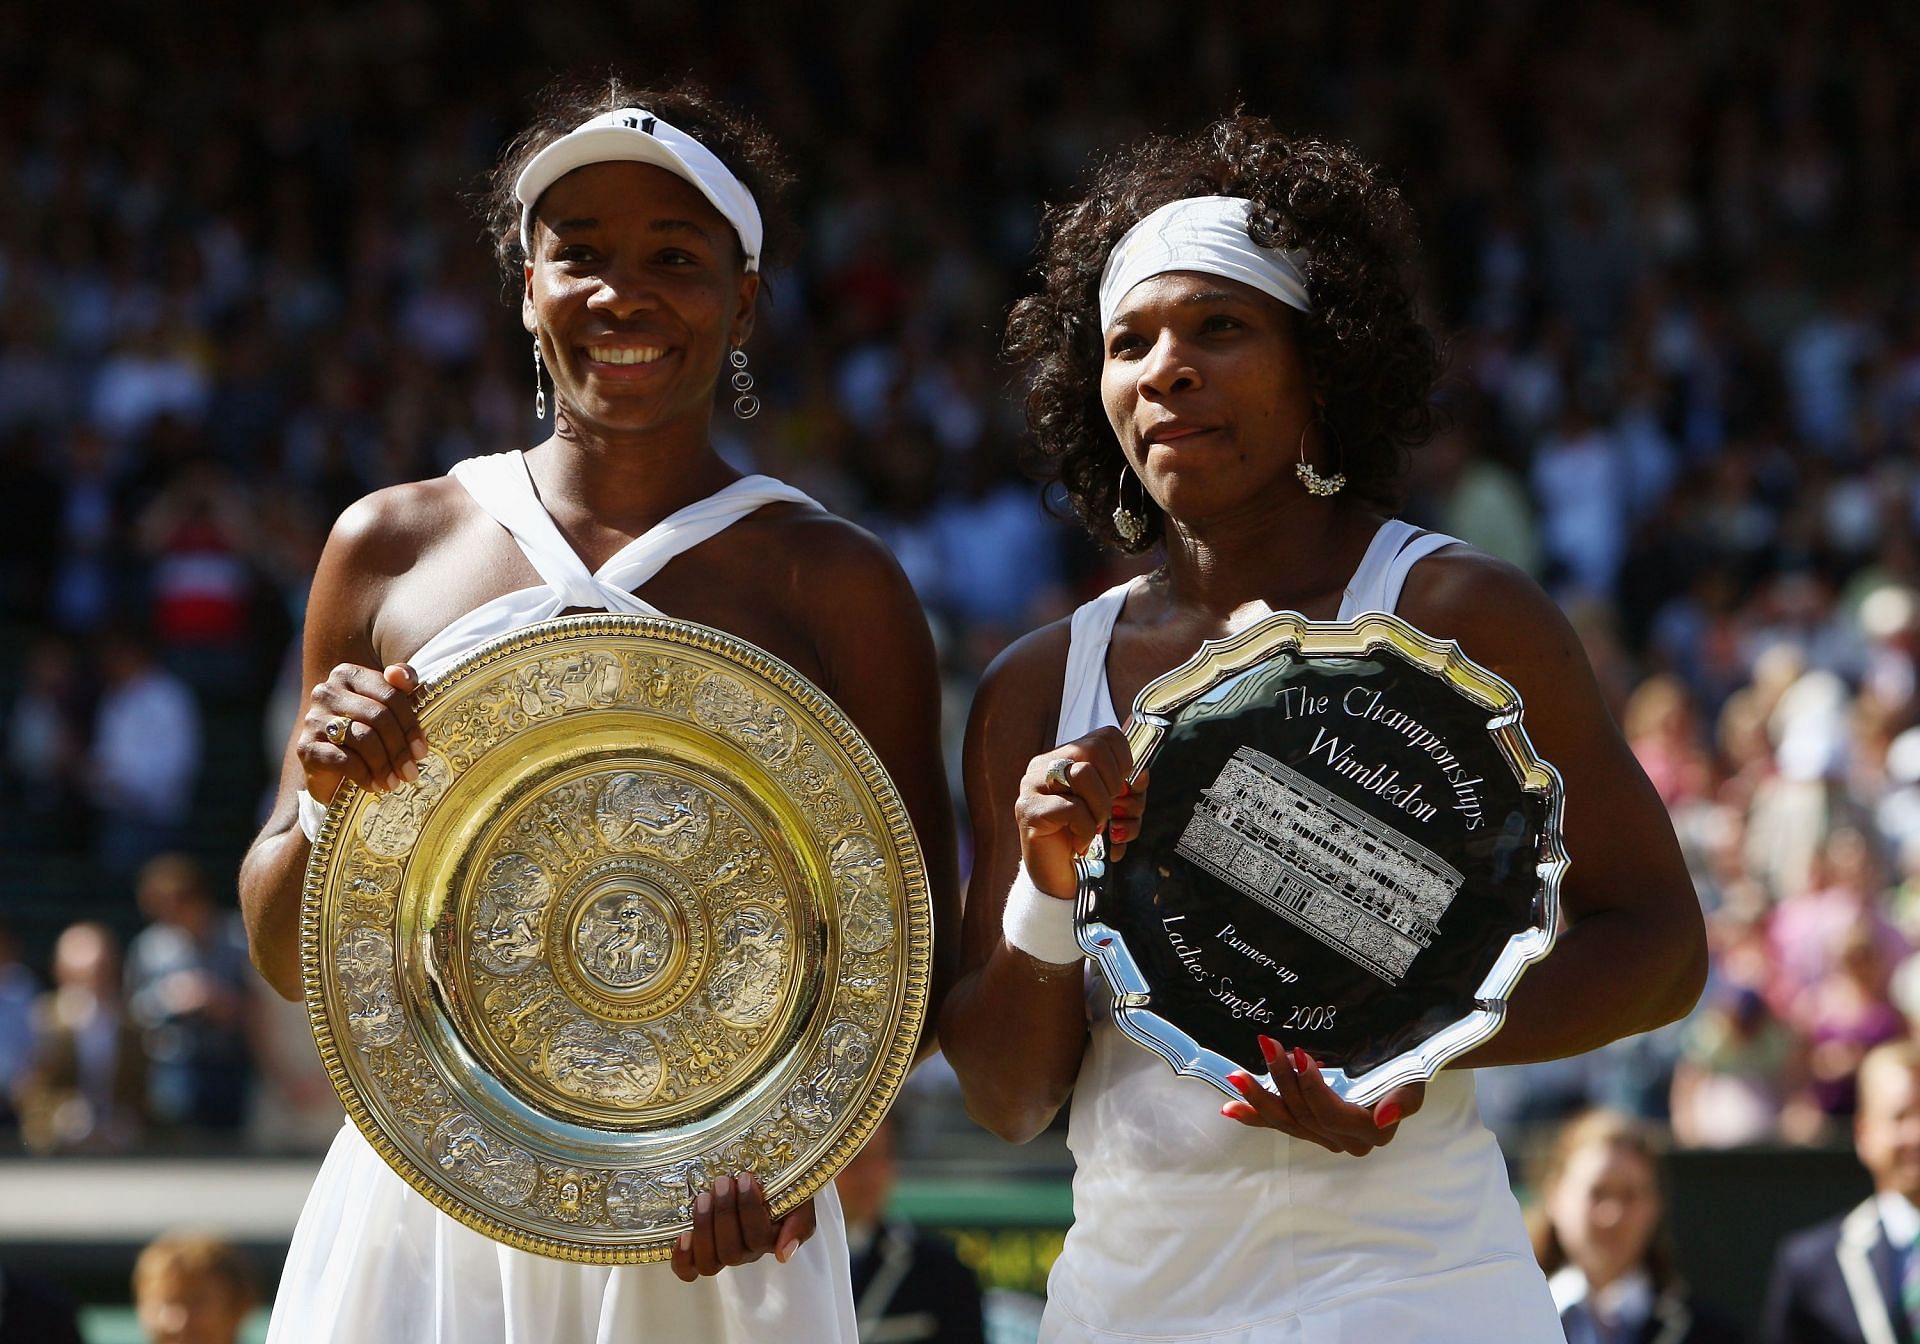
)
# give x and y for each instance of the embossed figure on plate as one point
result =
(643, 1199)
(394, 822)
(512, 904)
(643, 809)
(845, 1049)
(623, 940)
(860, 873)
(465, 1151)
(756, 952)
(586, 1061)
(367, 983)
(764, 729)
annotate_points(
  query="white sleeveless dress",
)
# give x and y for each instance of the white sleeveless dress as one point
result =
(372, 1262)
(1189, 1226)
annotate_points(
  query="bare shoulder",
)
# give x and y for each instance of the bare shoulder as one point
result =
(387, 531)
(825, 548)
(1494, 609)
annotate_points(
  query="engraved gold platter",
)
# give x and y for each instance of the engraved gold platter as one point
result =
(652, 914)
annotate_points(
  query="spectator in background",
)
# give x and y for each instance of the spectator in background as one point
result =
(1846, 1013)
(1733, 1073)
(84, 1089)
(18, 991)
(907, 1283)
(1845, 1281)
(146, 754)
(1599, 1232)
(192, 1288)
(46, 745)
(189, 984)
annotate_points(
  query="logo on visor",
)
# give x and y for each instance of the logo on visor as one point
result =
(644, 124)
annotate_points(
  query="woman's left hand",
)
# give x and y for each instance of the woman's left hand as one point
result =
(733, 1226)
(1305, 1107)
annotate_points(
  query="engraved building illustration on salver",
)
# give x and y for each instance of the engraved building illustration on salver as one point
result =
(1358, 885)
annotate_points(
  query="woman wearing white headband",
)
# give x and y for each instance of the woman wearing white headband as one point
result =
(1225, 365)
(632, 223)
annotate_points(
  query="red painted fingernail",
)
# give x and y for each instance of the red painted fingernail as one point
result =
(1270, 1048)
(1298, 1058)
(1243, 1081)
(1312, 1065)
(1388, 1115)
(1237, 1110)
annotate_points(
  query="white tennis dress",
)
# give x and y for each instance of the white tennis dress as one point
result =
(372, 1262)
(1189, 1226)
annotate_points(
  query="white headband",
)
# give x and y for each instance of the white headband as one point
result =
(1200, 233)
(633, 134)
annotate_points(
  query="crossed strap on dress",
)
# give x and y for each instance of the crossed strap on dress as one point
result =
(501, 485)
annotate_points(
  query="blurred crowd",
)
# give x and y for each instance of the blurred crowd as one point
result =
(1674, 253)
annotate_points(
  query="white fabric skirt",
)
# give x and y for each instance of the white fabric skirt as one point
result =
(372, 1262)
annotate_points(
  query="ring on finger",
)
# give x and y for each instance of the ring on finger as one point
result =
(1057, 771)
(337, 729)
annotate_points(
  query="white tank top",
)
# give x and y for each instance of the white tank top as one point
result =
(1190, 1226)
(372, 1262)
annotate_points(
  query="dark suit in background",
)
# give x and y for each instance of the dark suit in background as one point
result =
(1838, 1283)
(910, 1288)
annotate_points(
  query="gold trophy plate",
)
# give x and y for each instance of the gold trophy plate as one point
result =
(652, 914)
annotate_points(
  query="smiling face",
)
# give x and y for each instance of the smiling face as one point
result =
(635, 290)
(1208, 393)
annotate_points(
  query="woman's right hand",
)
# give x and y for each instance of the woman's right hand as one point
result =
(1067, 797)
(360, 725)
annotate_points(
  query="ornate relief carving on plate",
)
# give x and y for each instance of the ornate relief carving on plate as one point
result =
(593, 960)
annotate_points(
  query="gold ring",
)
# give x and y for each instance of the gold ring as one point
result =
(337, 729)
(1057, 772)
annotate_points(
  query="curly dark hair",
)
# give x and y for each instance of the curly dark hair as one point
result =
(735, 139)
(1372, 362)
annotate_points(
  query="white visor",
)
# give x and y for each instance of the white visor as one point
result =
(635, 135)
(1207, 234)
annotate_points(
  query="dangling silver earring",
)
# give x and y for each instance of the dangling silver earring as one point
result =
(539, 383)
(746, 405)
(1130, 526)
(1322, 486)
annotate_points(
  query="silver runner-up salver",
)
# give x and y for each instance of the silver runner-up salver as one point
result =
(653, 914)
(1349, 846)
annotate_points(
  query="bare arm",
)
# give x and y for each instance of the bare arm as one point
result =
(340, 663)
(1632, 952)
(882, 670)
(1014, 1028)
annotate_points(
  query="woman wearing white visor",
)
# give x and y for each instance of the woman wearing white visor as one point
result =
(1226, 365)
(634, 222)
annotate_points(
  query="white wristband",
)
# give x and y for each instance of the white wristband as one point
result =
(312, 813)
(1038, 924)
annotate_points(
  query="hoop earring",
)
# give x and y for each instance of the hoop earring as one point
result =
(1130, 526)
(746, 405)
(539, 383)
(1321, 486)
